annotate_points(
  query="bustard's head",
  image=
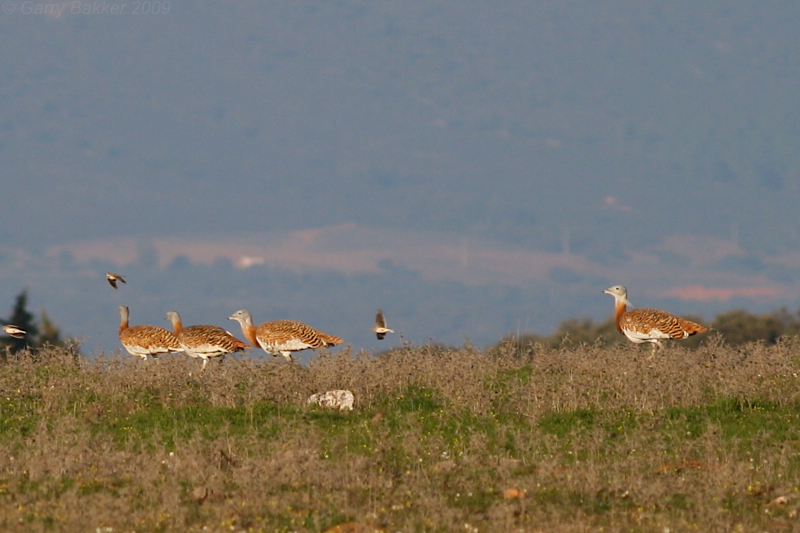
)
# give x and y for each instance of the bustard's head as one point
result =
(619, 293)
(242, 317)
(123, 312)
(173, 317)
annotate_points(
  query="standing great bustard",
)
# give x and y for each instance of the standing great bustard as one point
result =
(144, 340)
(204, 342)
(380, 328)
(648, 325)
(282, 337)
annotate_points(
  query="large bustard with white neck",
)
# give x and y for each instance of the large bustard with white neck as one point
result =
(282, 337)
(144, 340)
(649, 325)
(204, 341)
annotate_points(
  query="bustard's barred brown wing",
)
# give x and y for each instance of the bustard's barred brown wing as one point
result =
(650, 321)
(329, 340)
(210, 340)
(292, 335)
(144, 340)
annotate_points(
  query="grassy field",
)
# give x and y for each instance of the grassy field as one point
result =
(512, 439)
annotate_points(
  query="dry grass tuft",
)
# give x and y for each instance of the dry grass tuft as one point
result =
(583, 438)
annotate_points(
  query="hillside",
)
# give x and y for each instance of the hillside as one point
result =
(511, 124)
(545, 151)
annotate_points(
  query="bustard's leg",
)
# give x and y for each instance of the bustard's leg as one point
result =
(205, 362)
(656, 347)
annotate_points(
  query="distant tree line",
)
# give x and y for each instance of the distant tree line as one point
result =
(38, 332)
(736, 327)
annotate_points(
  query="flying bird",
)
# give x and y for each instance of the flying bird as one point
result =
(144, 340)
(380, 328)
(203, 341)
(648, 325)
(114, 278)
(282, 337)
(14, 331)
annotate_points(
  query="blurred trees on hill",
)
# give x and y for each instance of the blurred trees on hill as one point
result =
(736, 327)
(740, 326)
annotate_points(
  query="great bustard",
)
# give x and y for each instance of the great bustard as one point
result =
(114, 278)
(648, 325)
(204, 342)
(380, 328)
(282, 337)
(144, 340)
(14, 331)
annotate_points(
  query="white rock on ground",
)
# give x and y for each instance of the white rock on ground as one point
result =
(333, 399)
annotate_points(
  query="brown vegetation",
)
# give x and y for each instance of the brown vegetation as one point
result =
(518, 438)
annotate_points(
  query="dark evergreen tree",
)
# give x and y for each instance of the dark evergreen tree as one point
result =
(24, 319)
(37, 332)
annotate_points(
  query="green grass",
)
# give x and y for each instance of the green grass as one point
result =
(172, 424)
(429, 447)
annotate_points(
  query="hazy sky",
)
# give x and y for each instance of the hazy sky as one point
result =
(523, 144)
